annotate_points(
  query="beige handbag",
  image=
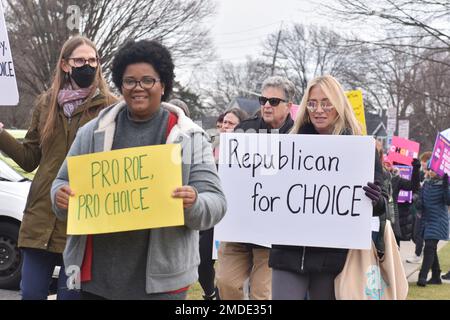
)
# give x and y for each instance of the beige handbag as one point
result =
(366, 277)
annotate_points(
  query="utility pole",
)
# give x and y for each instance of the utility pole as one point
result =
(276, 50)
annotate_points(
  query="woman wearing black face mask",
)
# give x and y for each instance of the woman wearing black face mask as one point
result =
(78, 92)
(84, 74)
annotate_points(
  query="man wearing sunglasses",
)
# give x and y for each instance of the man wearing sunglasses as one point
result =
(241, 261)
(276, 100)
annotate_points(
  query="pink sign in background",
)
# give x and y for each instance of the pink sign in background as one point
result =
(403, 151)
(440, 161)
(294, 110)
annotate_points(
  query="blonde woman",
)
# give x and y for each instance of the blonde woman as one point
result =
(78, 92)
(298, 272)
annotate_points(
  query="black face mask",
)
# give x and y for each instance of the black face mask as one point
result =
(83, 76)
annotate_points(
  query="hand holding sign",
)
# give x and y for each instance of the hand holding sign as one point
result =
(62, 197)
(373, 192)
(188, 194)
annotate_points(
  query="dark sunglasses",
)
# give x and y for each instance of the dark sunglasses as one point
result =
(272, 101)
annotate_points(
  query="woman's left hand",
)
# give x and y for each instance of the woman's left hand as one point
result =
(373, 192)
(188, 194)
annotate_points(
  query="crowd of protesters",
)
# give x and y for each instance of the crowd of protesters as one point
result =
(78, 115)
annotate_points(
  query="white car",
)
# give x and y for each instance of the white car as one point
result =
(14, 190)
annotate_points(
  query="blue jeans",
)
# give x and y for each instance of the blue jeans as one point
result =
(37, 271)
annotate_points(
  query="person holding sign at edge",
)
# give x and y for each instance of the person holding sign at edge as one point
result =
(297, 271)
(78, 92)
(144, 264)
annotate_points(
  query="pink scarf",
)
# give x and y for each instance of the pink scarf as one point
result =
(69, 99)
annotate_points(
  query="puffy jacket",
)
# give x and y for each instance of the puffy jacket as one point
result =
(434, 202)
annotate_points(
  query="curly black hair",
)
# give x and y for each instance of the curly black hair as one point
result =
(148, 51)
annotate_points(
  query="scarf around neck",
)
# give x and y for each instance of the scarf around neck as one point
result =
(70, 99)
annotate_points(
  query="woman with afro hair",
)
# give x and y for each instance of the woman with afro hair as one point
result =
(145, 264)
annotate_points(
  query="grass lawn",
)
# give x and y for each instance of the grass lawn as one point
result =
(433, 292)
(195, 292)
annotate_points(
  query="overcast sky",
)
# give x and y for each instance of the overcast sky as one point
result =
(241, 26)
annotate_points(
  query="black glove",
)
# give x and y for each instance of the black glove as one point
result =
(415, 163)
(373, 192)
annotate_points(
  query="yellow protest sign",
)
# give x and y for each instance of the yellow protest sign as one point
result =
(124, 190)
(356, 100)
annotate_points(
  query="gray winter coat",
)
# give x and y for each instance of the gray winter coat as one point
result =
(173, 254)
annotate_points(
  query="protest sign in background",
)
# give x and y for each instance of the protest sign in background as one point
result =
(296, 189)
(403, 128)
(446, 134)
(294, 110)
(126, 189)
(440, 160)
(356, 100)
(406, 173)
(403, 151)
(9, 95)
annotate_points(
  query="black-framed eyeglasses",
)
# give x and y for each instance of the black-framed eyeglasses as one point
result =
(313, 105)
(144, 83)
(272, 101)
(80, 62)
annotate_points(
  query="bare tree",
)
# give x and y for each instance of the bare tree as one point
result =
(423, 23)
(431, 108)
(236, 80)
(307, 52)
(38, 28)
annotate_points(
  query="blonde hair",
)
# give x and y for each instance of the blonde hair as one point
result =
(346, 118)
(49, 99)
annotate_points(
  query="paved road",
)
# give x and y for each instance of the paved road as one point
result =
(9, 295)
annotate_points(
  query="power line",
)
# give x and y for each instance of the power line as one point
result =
(259, 38)
(256, 28)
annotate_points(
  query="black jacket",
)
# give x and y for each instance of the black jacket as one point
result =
(314, 259)
(257, 124)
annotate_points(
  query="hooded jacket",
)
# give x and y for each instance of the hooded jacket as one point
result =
(173, 253)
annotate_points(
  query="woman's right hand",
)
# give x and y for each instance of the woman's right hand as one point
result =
(62, 197)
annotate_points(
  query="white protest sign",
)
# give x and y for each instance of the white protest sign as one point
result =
(296, 189)
(391, 126)
(403, 129)
(446, 134)
(392, 113)
(9, 95)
